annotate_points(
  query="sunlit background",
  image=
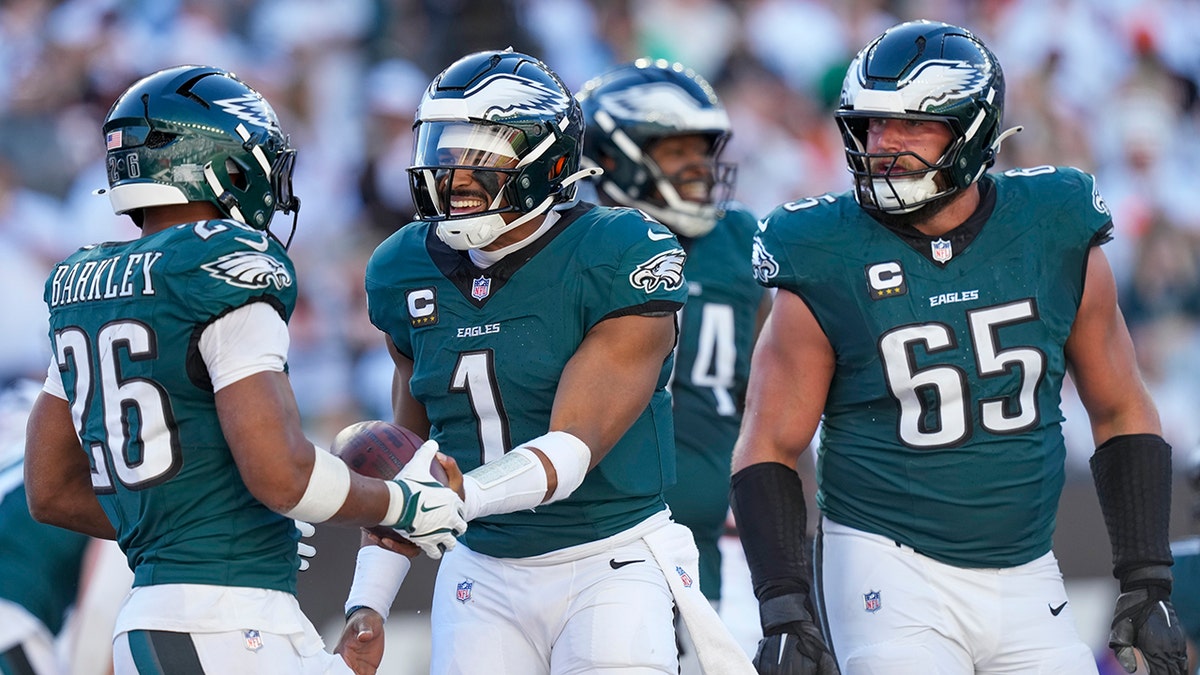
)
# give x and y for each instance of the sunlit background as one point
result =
(1109, 86)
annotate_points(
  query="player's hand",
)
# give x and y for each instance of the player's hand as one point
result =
(433, 513)
(792, 644)
(1145, 620)
(306, 551)
(361, 642)
(394, 544)
(798, 651)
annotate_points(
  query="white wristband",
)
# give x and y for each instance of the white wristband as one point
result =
(378, 574)
(328, 487)
(396, 503)
(571, 458)
(517, 481)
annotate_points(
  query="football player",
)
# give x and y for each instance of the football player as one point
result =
(167, 421)
(532, 336)
(657, 129)
(31, 614)
(930, 315)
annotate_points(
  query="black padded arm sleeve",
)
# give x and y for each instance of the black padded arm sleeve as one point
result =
(1133, 482)
(768, 505)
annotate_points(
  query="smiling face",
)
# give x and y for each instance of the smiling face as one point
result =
(686, 161)
(473, 190)
(475, 157)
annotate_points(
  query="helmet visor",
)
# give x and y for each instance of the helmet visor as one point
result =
(489, 153)
(468, 145)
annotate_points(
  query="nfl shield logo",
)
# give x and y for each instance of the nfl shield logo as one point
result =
(463, 590)
(684, 577)
(871, 602)
(942, 251)
(481, 288)
(253, 640)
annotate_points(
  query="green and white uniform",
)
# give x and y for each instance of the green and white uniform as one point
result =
(941, 451)
(125, 321)
(39, 579)
(712, 365)
(133, 330)
(942, 428)
(564, 582)
(488, 348)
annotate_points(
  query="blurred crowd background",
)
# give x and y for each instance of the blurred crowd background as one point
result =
(1106, 85)
(1110, 86)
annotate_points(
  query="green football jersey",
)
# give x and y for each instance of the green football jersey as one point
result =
(1185, 594)
(489, 346)
(712, 364)
(125, 324)
(39, 564)
(942, 426)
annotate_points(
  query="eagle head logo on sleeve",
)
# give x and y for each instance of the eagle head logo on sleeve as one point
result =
(664, 269)
(764, 264)
(249, 269)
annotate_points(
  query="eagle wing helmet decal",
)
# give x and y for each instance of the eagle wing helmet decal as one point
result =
(507, 96)
(663, 103)
(932, 84)
(249, 269)
(251, 110)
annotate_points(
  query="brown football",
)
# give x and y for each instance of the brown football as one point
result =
(380, 449)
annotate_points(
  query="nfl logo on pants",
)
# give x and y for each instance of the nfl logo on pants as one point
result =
(463, 590)
(871, 602)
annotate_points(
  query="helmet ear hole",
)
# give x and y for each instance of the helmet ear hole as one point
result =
(558, 167)
(237, 177)
(159, 139)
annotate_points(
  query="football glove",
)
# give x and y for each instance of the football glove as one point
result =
(1145, 620)
(793, 644)
(433, 514)
(306, 551)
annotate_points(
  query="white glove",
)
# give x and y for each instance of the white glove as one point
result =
(432, 514)
(306, 551)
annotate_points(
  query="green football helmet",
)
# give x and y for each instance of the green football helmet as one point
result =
(633, 105)
(509, 120)
(922, 70)
(198, 134)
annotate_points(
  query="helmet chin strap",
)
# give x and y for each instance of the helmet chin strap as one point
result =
(1003, 135)
(896, 195)
(467, 233)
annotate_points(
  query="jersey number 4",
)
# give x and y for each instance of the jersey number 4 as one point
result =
(947, 385)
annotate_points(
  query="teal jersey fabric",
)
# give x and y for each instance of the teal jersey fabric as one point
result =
(125, 324)
(712, 364)
(942, 427)
(39, 564)
(1185, 593)
(489, 346)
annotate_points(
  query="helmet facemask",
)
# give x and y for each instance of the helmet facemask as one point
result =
(922, 71)
(509, 121)
(672, 199)
(636, 105)
(897, 183)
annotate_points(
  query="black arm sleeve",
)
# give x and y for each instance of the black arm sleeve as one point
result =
(1133, 482)
(768, 505)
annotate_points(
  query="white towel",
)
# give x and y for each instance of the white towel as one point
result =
(718, 652)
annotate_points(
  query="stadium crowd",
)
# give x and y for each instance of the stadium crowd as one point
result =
(1109, 86)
